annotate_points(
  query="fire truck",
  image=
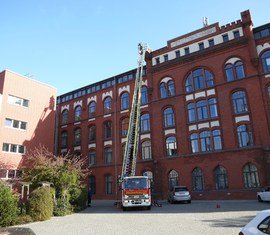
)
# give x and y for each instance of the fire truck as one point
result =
(136, 190)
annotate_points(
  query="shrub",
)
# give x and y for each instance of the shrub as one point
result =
(8, 206)
(24, 219)
(62, 207)
(78, 198)
(40, 204)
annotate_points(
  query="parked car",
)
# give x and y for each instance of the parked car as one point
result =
(259, 225)
(179, 194)
(264, 195)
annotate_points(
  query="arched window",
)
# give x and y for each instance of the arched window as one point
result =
(108, 156)
(171, 146)
(92, 133)
(78, 113)
(205, 138)
(229, 72)
(234, 71)
(194, 140)
(145, 123)
(92, 109)
(201, 107)
(239, 69)
(108, 130)
(167, 89)
(199, 79)
(191, 112)
(146, 150)
(212, 103)
(107, 105)
(124, 101)
(173, 179)
(168, 116)
(266, 61)
(239, 102)
(77, 137)
(221, 178)
(64, 139)
(171, 91)
(197, 179)
(217, 139)
(144, 95)
(124, 127)
(206, 141)
(251, 178)
(163, 90)
(92, 184)
(244, 134)
(92, 157)
(65, 117)
(108, 184)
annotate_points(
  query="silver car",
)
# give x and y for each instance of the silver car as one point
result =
(179, 194)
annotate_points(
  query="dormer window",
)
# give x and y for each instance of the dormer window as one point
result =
(201, 46)
(166, 58)
(225, 37)
(211, 42)
(236, 34)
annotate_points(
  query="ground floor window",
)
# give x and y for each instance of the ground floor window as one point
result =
(173, 179)
(251, 178)
(108, 184)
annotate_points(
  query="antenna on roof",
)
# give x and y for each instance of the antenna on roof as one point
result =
(205, 21)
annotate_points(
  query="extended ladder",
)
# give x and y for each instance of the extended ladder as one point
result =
(132, 143)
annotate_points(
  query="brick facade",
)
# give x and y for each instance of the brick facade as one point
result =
(229, 169)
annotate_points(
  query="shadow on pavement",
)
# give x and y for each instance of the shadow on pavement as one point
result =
(16, 231)
(234, 222)
(197, 206)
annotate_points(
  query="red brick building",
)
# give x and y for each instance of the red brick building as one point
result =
(27, 120)
(204, 116)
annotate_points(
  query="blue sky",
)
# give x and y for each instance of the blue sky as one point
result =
(73, 43)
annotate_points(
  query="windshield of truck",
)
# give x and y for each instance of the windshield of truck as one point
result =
(136, 183)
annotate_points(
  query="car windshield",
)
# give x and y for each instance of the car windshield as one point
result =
(180, 189)
(135, 183)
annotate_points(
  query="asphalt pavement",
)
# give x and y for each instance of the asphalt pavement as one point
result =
(199, 217)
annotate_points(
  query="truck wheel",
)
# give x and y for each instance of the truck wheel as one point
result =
(124, 208)
(148, 208)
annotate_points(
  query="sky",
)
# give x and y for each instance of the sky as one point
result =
(69, 44)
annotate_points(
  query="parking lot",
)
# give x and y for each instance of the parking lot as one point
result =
(199, 217)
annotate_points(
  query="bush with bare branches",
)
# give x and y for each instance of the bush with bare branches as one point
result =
(65, 172)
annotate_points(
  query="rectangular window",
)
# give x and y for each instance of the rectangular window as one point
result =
(15, 124)
(13, 148)
(225, 37)
(177, 54)
(201, 46)
(5, 147)
(166, 58)
(157, 60)
(186, 50)
(8, 122)
(236, 34)
(211, 42)
(18, 101)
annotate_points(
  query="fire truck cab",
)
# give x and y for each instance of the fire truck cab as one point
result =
(136, 192)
